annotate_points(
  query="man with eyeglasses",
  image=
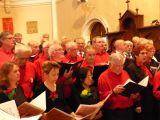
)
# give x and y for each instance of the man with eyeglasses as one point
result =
(6, 47)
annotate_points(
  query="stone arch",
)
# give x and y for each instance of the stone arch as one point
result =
(88, 25)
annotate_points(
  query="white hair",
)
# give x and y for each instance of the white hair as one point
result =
(33, 43)
(47, 43)
(21, 48)
(128, 42)
(70, 45)
(52, 48)
(114, 57)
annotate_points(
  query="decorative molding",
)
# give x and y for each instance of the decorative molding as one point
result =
(16, 3)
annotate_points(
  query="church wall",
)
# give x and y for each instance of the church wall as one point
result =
(72, 15)
(22, 14)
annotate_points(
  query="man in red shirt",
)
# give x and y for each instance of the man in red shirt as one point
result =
(6, 47)
(101, 55)
(27, 69)
(117, 107)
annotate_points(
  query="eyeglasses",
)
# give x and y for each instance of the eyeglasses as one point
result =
(9, 38)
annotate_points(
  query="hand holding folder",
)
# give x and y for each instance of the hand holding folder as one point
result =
(66, 67)
(132, 87)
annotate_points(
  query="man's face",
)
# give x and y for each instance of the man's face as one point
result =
(90, 55)
(72, 51)
(129, 47)
(18, 39)
(81, 44)
(117, 66)
(99, 44)
(8, 41)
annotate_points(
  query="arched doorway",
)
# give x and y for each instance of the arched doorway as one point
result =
(94, 26)
(97, 30)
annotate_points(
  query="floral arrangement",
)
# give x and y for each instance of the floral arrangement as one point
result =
(86, 93)
(53, 95)
(10, 93)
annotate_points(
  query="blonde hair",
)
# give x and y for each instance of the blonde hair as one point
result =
(49, 65)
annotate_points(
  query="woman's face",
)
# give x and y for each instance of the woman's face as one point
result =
(150, 53)
(88, 80)
(53, 75)
(14, 75)
(142, 57)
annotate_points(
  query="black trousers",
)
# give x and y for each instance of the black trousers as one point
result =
(118, 114)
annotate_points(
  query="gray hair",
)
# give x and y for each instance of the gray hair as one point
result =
(118, 42)
(114, 57)
(21, 48)
(52, 48)
(70, 45)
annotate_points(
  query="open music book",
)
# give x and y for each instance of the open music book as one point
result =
(35, 107)
(25, 110)
(83, 112)
(132, 87)
(12, 114)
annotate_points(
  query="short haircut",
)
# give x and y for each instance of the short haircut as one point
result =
(45, 44)
(52, 48)
(49, 65)
(118, 42)
(21, 48)
(89, 47)
(70, 45)
(3, 35)
(138, 48)
(33, 43)
(114, 57)
(17, 34)
(128, 42)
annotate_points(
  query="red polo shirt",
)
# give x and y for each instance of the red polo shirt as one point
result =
(5, 56)
(106, 83)
(101, 58)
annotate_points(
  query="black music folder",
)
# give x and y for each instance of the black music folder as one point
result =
(97, 72)
(132, 87)
(69, 66)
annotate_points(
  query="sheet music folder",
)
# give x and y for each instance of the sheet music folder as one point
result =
(132, 87)
(27, 110)
(69, 66)
(56, 114)
(97, 72)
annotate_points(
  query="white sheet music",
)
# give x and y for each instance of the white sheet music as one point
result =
(144, 82)
(6, 116)
(32, 118)
(10, 108)
(40, 101)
